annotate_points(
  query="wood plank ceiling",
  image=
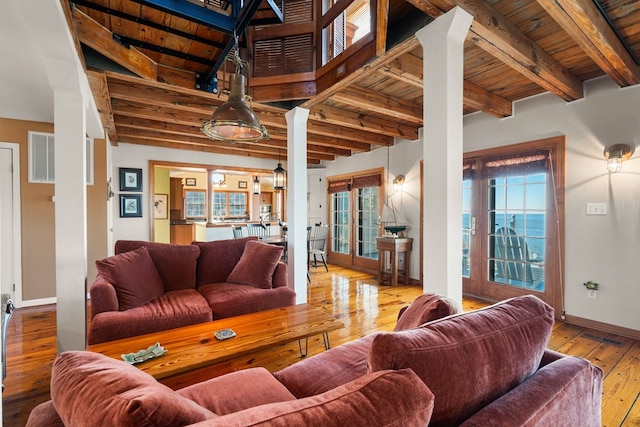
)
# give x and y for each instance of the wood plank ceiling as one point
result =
(515, 49)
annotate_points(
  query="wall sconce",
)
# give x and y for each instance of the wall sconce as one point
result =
(256, 185)
(109, 190)
(398, 181)
(615, 155)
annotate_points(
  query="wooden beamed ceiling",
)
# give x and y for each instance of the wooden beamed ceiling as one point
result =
(513, 50)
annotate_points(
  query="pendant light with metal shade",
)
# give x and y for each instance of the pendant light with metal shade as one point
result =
(235, 121)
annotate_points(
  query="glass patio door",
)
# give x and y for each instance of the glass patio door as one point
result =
(512, 228)
(355, 206)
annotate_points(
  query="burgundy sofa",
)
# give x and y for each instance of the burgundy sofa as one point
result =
(148, 287)
(486, 367)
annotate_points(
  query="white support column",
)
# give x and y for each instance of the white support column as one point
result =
(70, 109)
(443, 59)
(297, 200)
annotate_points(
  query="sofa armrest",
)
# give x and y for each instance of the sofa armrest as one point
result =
(550, 356)
(280, 277)
(563, 393)
(103, 296)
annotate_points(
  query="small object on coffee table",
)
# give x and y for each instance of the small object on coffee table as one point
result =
(155, 350)
(225, 334)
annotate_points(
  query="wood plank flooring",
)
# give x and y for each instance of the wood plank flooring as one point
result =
(355, 299)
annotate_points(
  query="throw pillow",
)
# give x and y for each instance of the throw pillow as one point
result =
(176, 264)
(133, 275)
(256, 265)
(425, 308)
(218, 258)
(468, 360)
(92, 389)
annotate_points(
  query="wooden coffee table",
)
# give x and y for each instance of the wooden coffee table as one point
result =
(193, 351)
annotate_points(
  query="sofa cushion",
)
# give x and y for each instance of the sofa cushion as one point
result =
(218, 258)
(237, 390)
(133, 275)
(92, 389)
(176, 264)
(470, 359)
(232, 299)
(388, 398)
(256, 265)
(331, 368)
(170, 310)
(425, 308)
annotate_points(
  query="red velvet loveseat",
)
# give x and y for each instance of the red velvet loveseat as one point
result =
(148, 287)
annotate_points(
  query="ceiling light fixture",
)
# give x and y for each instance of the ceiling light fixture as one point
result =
(256, 185)
(235, 121)
(279, 176)
(615, 155)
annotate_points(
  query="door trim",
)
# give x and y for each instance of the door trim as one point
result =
(17, 225)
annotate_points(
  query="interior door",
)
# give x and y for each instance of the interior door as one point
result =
(8, 228)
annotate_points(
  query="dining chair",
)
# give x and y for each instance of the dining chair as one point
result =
(318, 243)
(237, 231)
(259, 230)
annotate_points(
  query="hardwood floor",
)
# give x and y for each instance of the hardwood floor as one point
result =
(352, 297)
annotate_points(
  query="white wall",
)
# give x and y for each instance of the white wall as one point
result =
(599, 248)
(138, 156)
(404, 159)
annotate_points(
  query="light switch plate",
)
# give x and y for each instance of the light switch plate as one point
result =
(596, 209)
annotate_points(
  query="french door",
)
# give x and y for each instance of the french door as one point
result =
(513, 221)
(355, 203)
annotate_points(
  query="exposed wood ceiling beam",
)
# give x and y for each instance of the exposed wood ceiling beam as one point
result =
(148, 23)
(481, 99)
(146, 137)
(582, 20)
(380, 104)
(100, 91)
(493, 33)
(400, 49)
(354, 120)
(473, 95)
(100, 39)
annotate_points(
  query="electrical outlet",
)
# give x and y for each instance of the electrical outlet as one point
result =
(592, 293)
(596, 209)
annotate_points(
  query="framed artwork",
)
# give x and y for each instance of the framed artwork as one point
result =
(130, 205)
(160, 208)
(242, 184)
(130, 179)
(190, 182)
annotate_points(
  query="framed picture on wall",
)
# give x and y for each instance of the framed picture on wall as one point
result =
(190, 182)
(160, 208)
(130, 205)
(242, 184)
(130, 179)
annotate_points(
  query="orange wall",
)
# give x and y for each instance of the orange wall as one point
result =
(37, 215)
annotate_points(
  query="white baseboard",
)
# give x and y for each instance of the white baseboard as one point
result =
(36, 302)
